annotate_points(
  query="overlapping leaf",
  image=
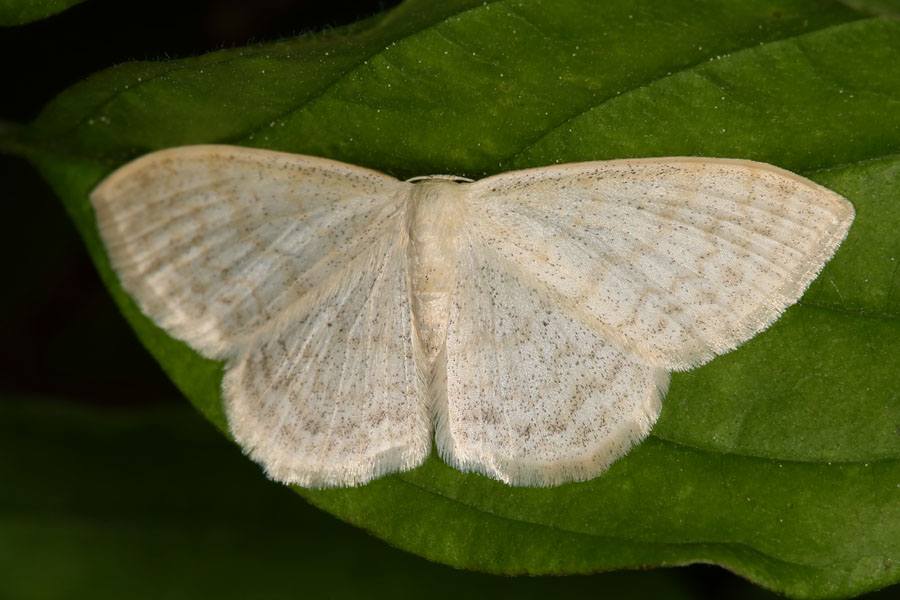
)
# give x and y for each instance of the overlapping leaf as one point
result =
(19, 12)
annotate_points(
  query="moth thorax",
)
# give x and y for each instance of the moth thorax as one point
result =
(434, 213)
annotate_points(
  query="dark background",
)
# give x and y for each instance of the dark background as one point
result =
(111, 485)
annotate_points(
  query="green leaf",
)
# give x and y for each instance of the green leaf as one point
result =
(778, 461)
(19, 12)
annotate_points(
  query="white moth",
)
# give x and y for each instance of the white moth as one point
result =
(529, 320)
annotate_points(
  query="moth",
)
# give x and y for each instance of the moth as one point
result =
(526, 322)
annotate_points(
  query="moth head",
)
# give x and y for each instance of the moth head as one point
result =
(451, 178)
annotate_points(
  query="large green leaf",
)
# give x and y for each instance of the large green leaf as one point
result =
(778, 461)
